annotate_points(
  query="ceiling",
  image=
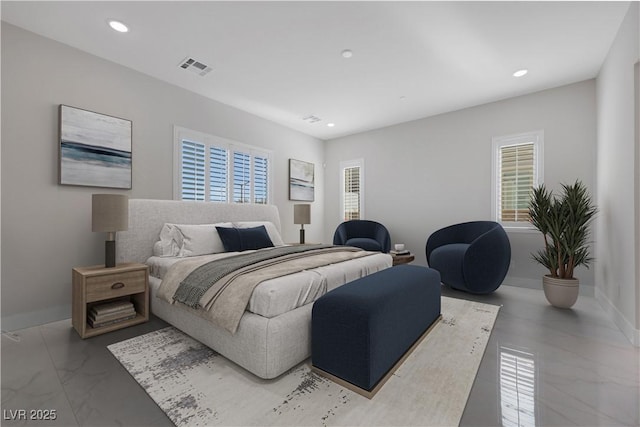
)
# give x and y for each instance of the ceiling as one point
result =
(282, 60)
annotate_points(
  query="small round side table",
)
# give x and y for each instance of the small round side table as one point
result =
(402, 259)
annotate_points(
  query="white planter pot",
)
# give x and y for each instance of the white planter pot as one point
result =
(561, 293)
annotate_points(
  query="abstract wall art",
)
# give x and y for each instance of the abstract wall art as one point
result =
(95, 149)
(301, 180)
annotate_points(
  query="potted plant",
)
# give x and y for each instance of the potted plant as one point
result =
(564, 223)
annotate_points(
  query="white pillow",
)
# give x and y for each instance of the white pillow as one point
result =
(200, 239)
(185, 240)
(170, 242)
(272, 231)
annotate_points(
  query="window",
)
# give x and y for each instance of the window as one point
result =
(517, 168)
(193, 166)
(352, 189)
(217, 174)
(241, 177)
(209, 168)
(260, 181)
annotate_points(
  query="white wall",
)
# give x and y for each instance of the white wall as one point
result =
(46, 228)
(430, 173)
(617, 227)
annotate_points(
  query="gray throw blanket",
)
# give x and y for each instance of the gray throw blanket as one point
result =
(194, 286)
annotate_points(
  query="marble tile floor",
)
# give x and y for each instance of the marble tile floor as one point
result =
(542, 366)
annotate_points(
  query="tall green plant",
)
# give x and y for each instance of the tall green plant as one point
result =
(564, 223)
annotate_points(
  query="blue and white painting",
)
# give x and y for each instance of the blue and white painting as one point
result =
(301, 180)
(95, 149)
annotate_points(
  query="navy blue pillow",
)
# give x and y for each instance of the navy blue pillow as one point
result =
(242, 239)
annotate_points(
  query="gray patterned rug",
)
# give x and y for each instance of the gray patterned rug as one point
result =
(195, 386)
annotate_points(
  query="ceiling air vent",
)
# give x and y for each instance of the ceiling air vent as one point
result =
(311, 119)
(195, 66)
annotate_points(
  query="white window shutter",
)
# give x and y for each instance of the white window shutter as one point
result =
(517, 178)
(217, 174)
(351, 193)
(211, 168)
(241, 177)
(516, 168)
(193, 171)
(260, 180)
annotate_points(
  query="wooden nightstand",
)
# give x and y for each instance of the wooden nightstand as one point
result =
(95, 285)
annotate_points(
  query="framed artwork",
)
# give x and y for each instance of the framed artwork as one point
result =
(95, 149)
(301, 181)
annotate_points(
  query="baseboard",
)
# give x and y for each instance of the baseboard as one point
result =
(18, 321)
(618, 318)
(525, 282)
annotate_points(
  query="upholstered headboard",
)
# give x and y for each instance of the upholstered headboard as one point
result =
(146, 218)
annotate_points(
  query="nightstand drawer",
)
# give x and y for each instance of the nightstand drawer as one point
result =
(113, 286)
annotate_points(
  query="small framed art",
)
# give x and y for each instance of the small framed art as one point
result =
(95, 149)
(301, 181)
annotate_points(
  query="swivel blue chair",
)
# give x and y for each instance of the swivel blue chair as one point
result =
(365, 234)
(473, 256)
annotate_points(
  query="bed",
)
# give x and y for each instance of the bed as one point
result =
(266, 344)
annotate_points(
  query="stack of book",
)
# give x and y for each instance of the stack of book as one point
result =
(402, 252)
(110, 313)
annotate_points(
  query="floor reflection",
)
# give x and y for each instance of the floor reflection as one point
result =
(517, 388)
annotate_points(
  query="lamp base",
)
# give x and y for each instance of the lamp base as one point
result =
(110, 253)
(302, 236)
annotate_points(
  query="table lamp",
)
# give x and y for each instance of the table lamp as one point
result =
(302, 216)
(109, 213)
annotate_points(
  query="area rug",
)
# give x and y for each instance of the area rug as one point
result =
(195, 386)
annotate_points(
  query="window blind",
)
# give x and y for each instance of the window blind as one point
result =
(210, 168)
(241, 177)
(217, 174)
(516, 178)
(193, 170)
(260, 180)
(351, 193)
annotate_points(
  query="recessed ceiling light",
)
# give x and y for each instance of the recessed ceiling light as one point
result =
(118, 26)
(347, 53)
(520, 73)
(331, 124)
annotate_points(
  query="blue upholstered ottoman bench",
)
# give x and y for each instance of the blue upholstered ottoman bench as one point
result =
(362, 331)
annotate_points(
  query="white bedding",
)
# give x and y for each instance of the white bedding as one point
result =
(277, 296)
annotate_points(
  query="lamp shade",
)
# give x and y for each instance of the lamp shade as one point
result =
(302, 214)
(109, 212)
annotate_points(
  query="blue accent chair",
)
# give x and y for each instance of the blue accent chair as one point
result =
(473, 256)
(365, 234)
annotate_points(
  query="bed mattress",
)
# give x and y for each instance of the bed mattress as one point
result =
(277, 296)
